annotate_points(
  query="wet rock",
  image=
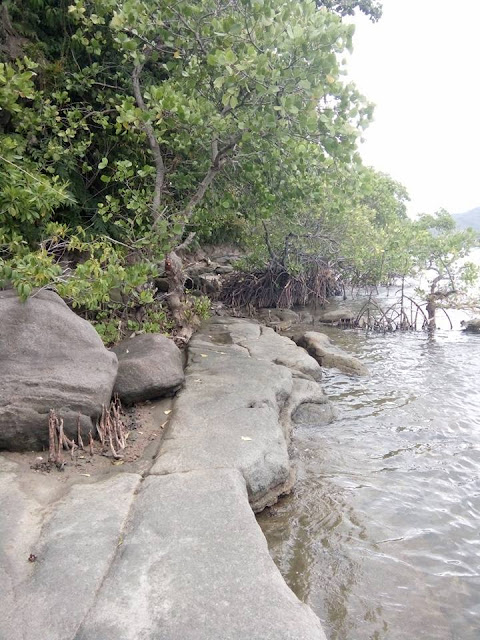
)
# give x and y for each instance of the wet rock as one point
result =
(308, 404)
(149, 366)
(471, 326)
(338, 316)
(314, 414)
(328, 355)
(50, 359)
(194, 565)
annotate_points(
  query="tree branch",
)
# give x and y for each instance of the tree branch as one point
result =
(153, 143)
(268, 243)
(219, 157)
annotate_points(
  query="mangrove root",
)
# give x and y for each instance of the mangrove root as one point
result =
(111, 431)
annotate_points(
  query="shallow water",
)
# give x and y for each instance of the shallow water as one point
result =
(382, 534)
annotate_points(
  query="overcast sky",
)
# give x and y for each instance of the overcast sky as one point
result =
(420, 65)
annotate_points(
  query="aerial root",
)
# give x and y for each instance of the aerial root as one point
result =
(111, 431)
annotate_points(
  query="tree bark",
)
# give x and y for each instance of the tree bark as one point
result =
(176, 299)
(431, 311)
(153, 144)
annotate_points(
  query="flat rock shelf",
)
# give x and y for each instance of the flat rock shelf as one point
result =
(173, 552)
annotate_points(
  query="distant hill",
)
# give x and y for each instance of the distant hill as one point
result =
(468, 219)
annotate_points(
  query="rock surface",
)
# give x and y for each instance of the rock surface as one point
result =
(338, 316)
(50, 359)
(232, 413)
(271, 347)
(194, 565)
(178, 556)
(149, 366)
(278, 319)
(314, 414)
(328, 355)
(73, 542)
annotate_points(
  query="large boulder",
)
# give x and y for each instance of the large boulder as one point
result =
(50, 359)
(149, 366)
(319, 347)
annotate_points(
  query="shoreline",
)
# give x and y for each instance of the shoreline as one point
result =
(153, 552)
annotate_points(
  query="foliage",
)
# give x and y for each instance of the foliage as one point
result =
(350, 219)
(126, 127)
(371, 8)
(441, 254)
(131, 124)
(113, 328)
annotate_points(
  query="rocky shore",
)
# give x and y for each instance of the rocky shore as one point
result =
(166, 546)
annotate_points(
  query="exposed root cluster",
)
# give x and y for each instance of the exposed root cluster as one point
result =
(111, 431)
(275, 287)
(403, 315)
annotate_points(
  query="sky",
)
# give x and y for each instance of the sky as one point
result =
(420, 66)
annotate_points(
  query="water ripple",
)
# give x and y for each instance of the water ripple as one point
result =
(381, 535)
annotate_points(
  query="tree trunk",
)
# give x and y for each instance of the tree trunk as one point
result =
(431, 309)
(176, 299)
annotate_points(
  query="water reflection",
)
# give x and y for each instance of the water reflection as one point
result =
(381, 537)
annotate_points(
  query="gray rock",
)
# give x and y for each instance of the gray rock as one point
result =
(328, 355)
(201, 268)
(306, 317)
(471, 326)
(194, 565)
(307, 404)
(241, 387)
(228, 416)
(224, 269)
(209, 283)
(73, 541)
(149, 366)
(272, 347)
(314, 414)
(338, 316)
(51, 359)
(279, 319)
